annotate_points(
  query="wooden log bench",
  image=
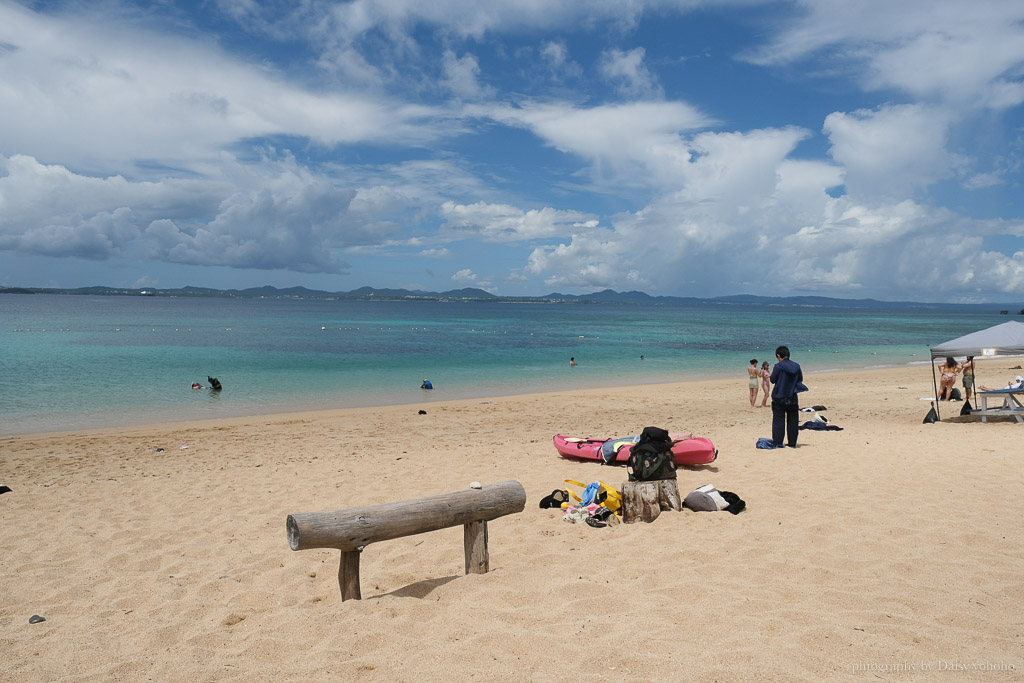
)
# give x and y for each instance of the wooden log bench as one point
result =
(352, 529)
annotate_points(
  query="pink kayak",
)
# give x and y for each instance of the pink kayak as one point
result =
(695, 451)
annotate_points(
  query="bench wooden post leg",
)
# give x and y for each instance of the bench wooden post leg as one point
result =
(475, 539)
(348, 576)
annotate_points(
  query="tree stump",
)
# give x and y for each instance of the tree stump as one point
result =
(643, 501)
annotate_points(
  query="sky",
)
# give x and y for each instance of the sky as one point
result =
(867, 149)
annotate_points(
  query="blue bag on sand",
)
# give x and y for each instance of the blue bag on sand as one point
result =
(765, 443)
(590, 493)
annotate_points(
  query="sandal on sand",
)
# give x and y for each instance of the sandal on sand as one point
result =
(602, 517)
(555, 499)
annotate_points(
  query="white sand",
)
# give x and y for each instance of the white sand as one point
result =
(888, 544)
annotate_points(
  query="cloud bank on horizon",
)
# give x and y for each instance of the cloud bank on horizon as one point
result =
(679, 147)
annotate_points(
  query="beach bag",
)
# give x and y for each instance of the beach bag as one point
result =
(651, 458)
(709, 499)
(954, 394)
(610, 448)
(705, 499)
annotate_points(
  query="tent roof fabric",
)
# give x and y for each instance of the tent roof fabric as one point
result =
(1000, 340)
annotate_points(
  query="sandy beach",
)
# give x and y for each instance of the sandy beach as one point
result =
(890, 549)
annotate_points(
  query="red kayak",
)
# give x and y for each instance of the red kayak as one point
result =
(693, 451)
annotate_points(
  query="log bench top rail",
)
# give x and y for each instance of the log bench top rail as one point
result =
(356, 527)
(352, 529)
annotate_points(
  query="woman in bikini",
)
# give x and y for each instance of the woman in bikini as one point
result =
(948, 381)
(753, 380)
(766, 375)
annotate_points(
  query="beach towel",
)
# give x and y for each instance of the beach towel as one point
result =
(820, 426)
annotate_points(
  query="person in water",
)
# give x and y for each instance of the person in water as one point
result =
(197, 385)
(426, 384)
(572, 362)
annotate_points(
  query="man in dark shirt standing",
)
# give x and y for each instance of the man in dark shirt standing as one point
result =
(788, 380)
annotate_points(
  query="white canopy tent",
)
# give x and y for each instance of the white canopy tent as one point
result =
(1000, 340)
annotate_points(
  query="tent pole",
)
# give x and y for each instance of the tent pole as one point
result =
(935, 384)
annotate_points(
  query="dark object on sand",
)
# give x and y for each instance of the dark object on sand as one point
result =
(35, 619)
(214, 383)
(5, 489)
(555, 499)
(423, 412)
(932, 417)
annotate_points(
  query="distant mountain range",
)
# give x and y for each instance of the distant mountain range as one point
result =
(607, 296)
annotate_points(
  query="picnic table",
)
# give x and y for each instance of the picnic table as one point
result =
(1011, 404)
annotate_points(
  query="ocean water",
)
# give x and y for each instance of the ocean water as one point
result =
(78, 362)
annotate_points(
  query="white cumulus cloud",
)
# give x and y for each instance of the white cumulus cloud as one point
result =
(505, 223)
(893, 150)
(628, 74)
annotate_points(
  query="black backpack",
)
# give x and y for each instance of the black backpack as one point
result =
(651, 457)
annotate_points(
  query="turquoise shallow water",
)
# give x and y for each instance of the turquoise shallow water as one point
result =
(75, 362)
